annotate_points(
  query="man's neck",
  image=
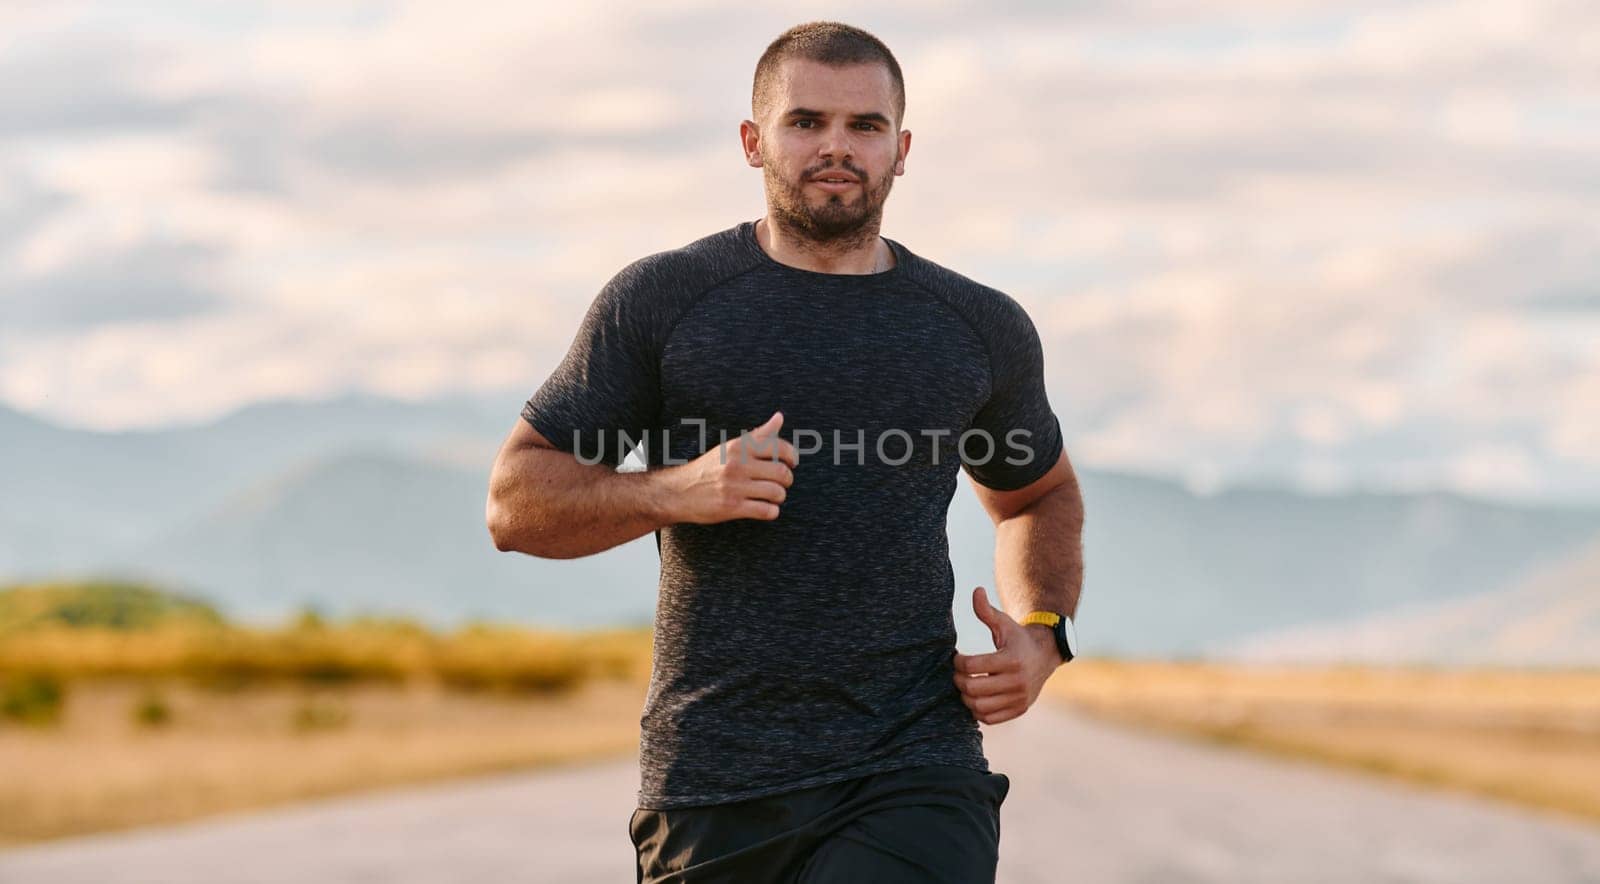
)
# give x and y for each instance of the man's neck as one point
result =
(871, 256)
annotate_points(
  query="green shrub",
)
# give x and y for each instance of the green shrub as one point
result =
(308, 619)
(111, 604)
(32, 698)
(152, 709)
(315, 715)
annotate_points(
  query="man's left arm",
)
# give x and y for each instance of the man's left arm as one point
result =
(1038, 567)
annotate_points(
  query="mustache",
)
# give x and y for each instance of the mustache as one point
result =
(844, 167)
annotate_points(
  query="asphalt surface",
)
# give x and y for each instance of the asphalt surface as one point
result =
(1089, 802)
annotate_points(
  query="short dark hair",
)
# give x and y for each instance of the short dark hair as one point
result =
(830, 43)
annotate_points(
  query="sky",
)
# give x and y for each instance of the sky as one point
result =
(1328, 244)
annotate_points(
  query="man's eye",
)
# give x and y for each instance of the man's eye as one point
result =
(807, 124)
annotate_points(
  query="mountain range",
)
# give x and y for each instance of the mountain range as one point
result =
(363, 503)
(1550, 618)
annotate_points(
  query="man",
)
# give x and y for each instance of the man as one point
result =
(806, 391)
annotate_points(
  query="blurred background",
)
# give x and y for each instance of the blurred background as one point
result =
(1318, 285)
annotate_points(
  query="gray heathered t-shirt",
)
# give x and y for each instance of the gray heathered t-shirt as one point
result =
(815, 647)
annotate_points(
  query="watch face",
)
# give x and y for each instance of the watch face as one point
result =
(1071, 634)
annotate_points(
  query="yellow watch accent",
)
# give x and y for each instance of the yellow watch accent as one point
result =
(1048, 618)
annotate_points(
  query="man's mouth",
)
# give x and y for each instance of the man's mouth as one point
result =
(834, 182)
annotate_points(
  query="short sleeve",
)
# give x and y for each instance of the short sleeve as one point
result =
(604, 396)
(1017, 417)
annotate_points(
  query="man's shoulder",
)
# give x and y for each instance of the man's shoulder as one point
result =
(686, 270)
(985, 306)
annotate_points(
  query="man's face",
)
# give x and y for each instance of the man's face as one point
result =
(830, 122)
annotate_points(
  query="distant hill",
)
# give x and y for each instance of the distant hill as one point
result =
(1172, 572)
(113, 604)
(1168, 571)
(376, 532)
(1551, 618)
(364, 504)
(72, 495)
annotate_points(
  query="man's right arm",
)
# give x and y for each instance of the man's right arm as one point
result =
(546, 503)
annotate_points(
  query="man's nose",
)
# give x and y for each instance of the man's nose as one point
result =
(835, 143)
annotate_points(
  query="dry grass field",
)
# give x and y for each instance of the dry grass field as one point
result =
(104, 765)
(121, 706)
(1531, 737)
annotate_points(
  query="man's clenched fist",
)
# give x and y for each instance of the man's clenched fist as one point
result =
(1001, 686)
(746, 477)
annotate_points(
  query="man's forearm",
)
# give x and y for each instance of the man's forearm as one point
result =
(1039, 555)
(545, 503)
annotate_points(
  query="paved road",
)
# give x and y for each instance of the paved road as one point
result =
(1089, 802)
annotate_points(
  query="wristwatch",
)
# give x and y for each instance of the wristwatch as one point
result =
(1061, 626)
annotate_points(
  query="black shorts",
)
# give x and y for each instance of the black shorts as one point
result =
(931, 823)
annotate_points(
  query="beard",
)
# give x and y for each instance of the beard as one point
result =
(837, 220)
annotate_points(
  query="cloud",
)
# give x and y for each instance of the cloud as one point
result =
(1336, 242)
(1550, 265)
(81, 84)
(150, 281)
(24, 205)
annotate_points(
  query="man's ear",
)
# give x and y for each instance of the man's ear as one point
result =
(750, 141)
